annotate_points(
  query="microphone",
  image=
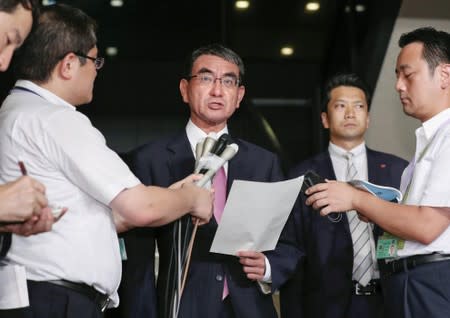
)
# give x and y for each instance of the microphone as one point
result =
(198, 151)
(209, 143)
(218, 147)
(228, 153)
(203, 160)
(221, 144)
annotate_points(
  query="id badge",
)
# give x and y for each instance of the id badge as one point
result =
(123, 251)
(388, 246)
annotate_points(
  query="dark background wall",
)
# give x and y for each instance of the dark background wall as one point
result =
(136, 95)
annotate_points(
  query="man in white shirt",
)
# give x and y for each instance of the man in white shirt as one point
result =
(74, 270)
(23, 198)
(415, 249)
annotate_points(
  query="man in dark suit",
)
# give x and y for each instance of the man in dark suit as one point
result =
(324, 284)
(217, 285)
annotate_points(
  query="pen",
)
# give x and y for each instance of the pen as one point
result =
(22, 168)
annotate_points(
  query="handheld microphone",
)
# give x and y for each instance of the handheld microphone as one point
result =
(202, 161)
(221, 144)
(228, 153)
(209, 143)
(208, 158)
(198, 151)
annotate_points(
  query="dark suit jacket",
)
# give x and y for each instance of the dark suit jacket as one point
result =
(169, 160)
(322, 286)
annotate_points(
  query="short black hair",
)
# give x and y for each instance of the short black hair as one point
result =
(344, 79)
(61, 29)
(219, 50)
(436, 45)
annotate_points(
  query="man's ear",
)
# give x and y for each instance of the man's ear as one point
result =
(184, 90)
(241, 93)
(67, 66)
(324, 117)
(445, 76)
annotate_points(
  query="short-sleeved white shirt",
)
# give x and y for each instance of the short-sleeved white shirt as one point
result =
(430, 183)
(62, 149)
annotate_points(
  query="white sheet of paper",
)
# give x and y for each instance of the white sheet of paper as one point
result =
(13, 287)
(254, 215)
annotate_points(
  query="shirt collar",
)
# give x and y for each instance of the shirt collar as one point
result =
(430, 126)
(44, 93)
(195, 134)
(335, 150)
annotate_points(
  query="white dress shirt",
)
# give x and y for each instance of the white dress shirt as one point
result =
(62, 150)
(339, 161)
(430, 183)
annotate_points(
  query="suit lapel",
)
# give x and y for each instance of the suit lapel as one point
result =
(325, 161)
(331, 175)
(237, 168)
(181, 160)
(378, 170)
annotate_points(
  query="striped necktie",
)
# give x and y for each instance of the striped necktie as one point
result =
(362, 255)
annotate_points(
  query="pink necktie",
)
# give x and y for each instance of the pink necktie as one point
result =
(220, 195)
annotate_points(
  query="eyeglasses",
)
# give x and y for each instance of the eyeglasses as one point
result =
(98, 61)
(207, 79)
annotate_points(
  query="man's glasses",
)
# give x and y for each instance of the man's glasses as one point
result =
(98, 61)
(207, 79)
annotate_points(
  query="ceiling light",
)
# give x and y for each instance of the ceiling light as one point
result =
(112, 51)
(48, 2)
(116, 3)
(287, 50)
(360, 8)
(242, 4)
(312, 6)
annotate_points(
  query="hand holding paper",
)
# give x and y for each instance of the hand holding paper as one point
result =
(254, 215)
(253, 264)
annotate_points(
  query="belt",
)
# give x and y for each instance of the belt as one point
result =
(372, 288)
(408, 263)
(102, 300)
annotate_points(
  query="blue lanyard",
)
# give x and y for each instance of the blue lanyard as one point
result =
(20, 88)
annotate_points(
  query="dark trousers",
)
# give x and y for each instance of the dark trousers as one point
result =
(366, 306)
(421, 292)
(227, 309)
(52, 301)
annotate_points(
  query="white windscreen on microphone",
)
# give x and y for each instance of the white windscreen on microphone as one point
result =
(216, 162)
(198, 151)
(209, 143)
(202, 161)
